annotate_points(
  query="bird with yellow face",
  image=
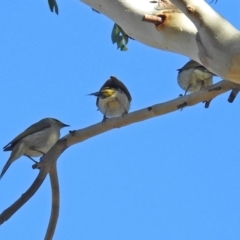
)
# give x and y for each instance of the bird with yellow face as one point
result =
(113, 98)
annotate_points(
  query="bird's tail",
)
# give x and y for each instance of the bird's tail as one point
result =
(14, 156)
(6, 166)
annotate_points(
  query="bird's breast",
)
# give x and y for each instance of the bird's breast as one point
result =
(115, 105)
(41, 142)
(194, 79)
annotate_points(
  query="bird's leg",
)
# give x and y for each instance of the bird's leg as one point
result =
(181, 106)
(31, 159)
(43, 153)
(187, 89)
(104, 119)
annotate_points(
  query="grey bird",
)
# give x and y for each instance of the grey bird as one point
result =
(113, 98)
(35, 141)
(193, 77)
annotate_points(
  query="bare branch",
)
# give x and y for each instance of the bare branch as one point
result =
(7, 213)
(49, 159)
(55, 202)
(144, 114)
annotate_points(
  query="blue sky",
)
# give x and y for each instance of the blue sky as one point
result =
(171, 177)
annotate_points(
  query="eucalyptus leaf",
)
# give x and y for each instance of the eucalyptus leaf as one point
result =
(53, 6)
(119, 37)
(115, 33)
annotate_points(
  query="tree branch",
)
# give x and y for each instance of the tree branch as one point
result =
(176, 34)
(218, 41)
(7, 213)
(55, 203)
(49, 159)
(146, 113)
(211, 40)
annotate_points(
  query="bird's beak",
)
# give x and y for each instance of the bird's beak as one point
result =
(65, 125)
(97, 94)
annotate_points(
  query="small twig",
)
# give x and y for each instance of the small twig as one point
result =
(152, 19)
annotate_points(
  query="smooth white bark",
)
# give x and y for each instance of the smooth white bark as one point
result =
(197, 32)
(218, 41)
(177, 34)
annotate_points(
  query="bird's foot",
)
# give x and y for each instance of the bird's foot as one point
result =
(207, 103)
(182, 105)
(124, 114)
(72, 132)
(104, 119)
(32, 159)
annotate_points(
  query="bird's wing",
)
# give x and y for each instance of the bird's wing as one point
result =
(191, 64)
(194, 64)
(36, 127)
(115, 83)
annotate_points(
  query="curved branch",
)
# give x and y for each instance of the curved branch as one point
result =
(83, 134)
(55, 202)
(7, 213)
(50, 157)
(147, 113)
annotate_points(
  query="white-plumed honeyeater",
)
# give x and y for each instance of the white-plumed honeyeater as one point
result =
(113, 98)
(35, 141)
(193, 77)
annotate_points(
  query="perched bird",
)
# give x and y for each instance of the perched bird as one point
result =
(113, 98)
(35, 141)
(194, 77)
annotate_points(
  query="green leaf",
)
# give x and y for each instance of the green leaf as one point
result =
(115, 33)
(119, 37)
(53, 6)
(124, 48)
(125, 39)
(121, 44)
